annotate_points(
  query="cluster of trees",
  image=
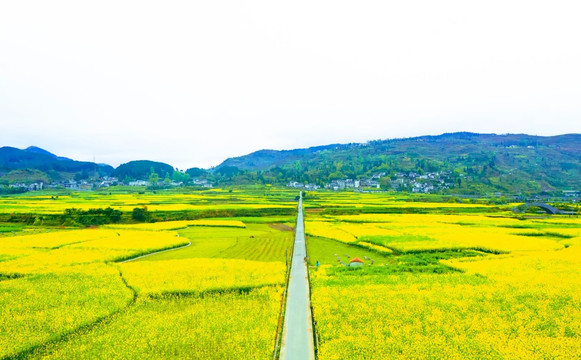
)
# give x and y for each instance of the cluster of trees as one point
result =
(5, 190)
(158, 174)
(140, 214)
(141, 169)
(91, 217)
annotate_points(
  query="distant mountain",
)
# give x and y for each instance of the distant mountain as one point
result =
(37, 150)
(34, 164)
(462, 163)
(476, 163)
(264, 159)
(141, 169)
(15, 164)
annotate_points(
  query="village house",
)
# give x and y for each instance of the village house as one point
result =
(138, 183)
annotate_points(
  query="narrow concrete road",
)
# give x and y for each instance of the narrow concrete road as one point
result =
(297, 335)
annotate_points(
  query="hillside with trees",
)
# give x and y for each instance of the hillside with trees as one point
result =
(456, 163)
(35, 164)
(142, 169)
(473, 163)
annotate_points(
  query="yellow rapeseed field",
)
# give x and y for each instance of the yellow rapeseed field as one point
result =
(56, 249)
(412, 232)
(37, 308)
(553, 271)
(518, 297)
(215, 326)
(201, 275)
(328, 230)
(451, 316)
(59, 284)
(439, 281)
(207, 200)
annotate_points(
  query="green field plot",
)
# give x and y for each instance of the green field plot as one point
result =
(261, 242)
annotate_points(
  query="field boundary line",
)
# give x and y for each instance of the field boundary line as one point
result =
(157, 252)
(208, 292)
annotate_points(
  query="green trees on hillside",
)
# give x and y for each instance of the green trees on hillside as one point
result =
(142, 169)
(473, 163)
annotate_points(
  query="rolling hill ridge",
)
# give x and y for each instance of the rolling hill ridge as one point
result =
(472, 163)
(466, 163)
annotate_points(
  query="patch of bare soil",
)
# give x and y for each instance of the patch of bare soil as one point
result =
(281, 227)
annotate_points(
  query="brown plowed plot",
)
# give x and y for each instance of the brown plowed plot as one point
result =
(281, 227)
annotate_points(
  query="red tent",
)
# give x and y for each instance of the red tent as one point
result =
(356, 260)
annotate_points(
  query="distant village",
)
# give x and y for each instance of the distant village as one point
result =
(431, 182)
(412, 182)
(104, 182)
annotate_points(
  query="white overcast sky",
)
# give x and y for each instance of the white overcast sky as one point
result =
(191, 83)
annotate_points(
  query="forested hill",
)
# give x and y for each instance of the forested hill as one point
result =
(141, 169)
(463, 163)
(36, 164)
(264, 159)
(512, 163)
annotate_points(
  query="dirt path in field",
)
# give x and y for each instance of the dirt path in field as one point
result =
(297, 335)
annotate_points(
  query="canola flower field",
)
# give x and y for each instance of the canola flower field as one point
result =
(75, 293)
(214, 199)
(444, 285)
(441, 279)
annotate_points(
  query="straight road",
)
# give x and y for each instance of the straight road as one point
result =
(297, 335)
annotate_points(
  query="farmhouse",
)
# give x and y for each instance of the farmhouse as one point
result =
(139, 183)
